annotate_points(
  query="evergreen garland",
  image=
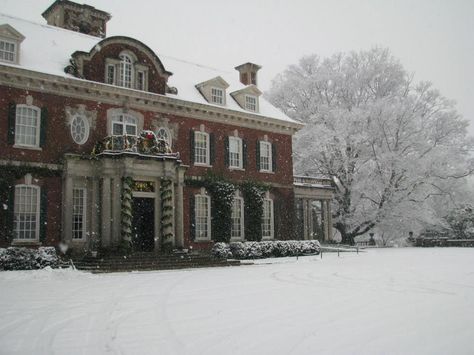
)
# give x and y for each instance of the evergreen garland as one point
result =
(127, 212)
(253, 209)
(166, 228)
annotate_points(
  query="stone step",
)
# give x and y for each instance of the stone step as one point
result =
(145, 267)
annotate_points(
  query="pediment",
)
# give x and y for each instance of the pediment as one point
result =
(7, 31)
(218, 81)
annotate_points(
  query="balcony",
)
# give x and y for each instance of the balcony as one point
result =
(144, 145)
(310, 181)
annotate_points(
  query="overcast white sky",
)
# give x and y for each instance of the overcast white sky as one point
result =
(432, 38)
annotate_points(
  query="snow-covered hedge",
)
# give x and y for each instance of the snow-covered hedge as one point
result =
(266, 249)
(14, 258)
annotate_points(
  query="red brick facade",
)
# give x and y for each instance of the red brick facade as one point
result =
(57, 96)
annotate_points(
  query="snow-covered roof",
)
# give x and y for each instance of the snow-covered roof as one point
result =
(47, 49)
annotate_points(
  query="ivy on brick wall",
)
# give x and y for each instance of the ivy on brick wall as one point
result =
(253, 193)
(222, 192)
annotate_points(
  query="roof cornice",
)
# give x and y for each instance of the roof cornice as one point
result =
(94, 91)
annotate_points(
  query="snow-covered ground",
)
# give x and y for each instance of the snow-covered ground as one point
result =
(417, 301)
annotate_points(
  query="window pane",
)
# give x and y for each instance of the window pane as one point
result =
(202, 214)
(201, 146)
(26, 212)
(27, 126)
(78, 214)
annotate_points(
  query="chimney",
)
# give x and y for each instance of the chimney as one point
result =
(76, 17)
(248, 73)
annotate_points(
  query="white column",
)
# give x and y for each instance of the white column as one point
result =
(105, 212)
(116, 210)
(67, 209)
(179, 224)
(94, 201)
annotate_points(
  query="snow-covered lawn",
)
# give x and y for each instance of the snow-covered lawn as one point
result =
(417, 301)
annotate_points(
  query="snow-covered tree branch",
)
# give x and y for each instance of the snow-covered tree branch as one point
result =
(388, 141)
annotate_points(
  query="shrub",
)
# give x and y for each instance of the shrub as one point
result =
(266, 249)
(14, 258)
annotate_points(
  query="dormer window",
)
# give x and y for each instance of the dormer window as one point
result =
(126, 72)
(214, 90)
(217, 96)
(250, 103)
(247, 98)
(7, 51)
(10, 40)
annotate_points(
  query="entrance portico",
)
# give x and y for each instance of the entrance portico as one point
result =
(313, 197)
(103, 178)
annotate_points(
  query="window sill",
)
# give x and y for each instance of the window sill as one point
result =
(266, 171)
(236, 168)
(19, 146)
(78, 241)
(32, 242)
(202, 240)
(203, 165)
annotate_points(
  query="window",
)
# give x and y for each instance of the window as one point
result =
(26, 210)
(110, 74)
(237, 230)
(125, 73)
(78, 213)
(267, 219)
(217, 96)
(203, 217)
(265, 156)
(80, 129)
(164, 134)
(140, 80)
(7, 51)
(27, 125)
(250, 103)
(201, 148)
(124, 124)
(235, 152)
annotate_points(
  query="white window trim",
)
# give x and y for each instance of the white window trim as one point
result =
(87, 128)
(114, 78)
(270, 157)
(116, 120)
(38, 128)
(122, 65)
(168, 133)
(242, 224)
(38, 215)
(15, 51)
(272, 220)
(222, 96)
(241, 155)
(145, 86)
(246, 103)
(208, 149)
(208, 199)
(84, 220)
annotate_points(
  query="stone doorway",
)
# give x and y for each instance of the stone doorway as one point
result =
(143, 223)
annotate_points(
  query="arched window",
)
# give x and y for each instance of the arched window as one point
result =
(164, 134)
(126, 71)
